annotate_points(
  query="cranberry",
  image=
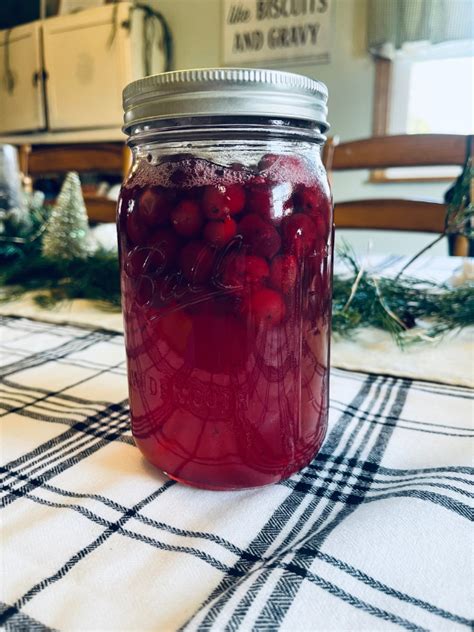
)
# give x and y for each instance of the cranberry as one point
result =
(136, 231)
(299, 234)
(241, 271)
(320, 221)
(196, 260)
(153, 207)
(266, 307)
(135, 261)
(187, 219)
(312, 200)
(283, 273)
(220, 233)
(222, 200)
(262, 238)
(166, 244)
(316, 202)
(259, 200)
(144, 261)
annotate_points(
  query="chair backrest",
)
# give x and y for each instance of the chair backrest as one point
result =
(105, 158)
(382, 152)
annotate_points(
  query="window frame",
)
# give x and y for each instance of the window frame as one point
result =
(384, 79)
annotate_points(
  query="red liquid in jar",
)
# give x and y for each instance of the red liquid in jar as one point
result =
(226, 285)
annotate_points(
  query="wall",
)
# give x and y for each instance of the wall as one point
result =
(196, 25)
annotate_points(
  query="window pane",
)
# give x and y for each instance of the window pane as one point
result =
(441, 96)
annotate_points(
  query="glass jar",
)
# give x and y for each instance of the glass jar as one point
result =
(225, 239)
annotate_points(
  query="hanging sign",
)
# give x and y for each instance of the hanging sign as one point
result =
(273, 30)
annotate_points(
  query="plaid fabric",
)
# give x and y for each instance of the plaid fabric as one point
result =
(374, 534)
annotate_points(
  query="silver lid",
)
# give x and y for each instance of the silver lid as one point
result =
(225, 91)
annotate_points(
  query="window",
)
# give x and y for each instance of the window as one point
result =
(425, 90)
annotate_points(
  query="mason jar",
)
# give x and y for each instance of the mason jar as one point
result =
(225, 238)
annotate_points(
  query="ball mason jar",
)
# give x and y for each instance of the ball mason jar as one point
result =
(225, 229)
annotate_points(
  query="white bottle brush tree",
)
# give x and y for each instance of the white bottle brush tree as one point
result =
(67, 233)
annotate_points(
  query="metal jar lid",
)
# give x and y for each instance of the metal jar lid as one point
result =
(225, 92)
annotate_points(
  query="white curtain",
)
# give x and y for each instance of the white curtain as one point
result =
(393, 23)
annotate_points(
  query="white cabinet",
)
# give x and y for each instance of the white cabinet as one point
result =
(22, 105)
(88, 59)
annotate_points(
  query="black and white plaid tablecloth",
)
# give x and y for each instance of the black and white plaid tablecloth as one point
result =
(374, 534)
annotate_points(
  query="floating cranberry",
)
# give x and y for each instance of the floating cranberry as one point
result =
(136, 231)
(196, 261)
(306, 199)
(144, 261)
(222, 200)
(135, 261)
(166, 244)
(312, 200)
(259, 200)
(321, 224)
(187, 219)
(316, 202)
(299, 234)
(219, 233)
(266, 307)
(283, 273)
(262, 237)
(153, 207)
(244, 270)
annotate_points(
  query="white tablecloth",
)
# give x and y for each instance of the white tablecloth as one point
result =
(374, 534)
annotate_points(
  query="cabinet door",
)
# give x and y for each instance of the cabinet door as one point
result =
(88, 61)
(22, 106)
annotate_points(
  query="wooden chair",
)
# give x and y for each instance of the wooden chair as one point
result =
(104, 158)
(381, 152)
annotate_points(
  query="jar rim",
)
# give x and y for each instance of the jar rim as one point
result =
(225, 91)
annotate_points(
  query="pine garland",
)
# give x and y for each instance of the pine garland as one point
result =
(95, 277)
(409, 309)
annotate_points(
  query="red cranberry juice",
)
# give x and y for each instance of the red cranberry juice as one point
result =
(226, 283)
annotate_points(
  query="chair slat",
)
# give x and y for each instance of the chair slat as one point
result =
(100, 209)
(409, 150)
(391, 214)
(105, 158)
